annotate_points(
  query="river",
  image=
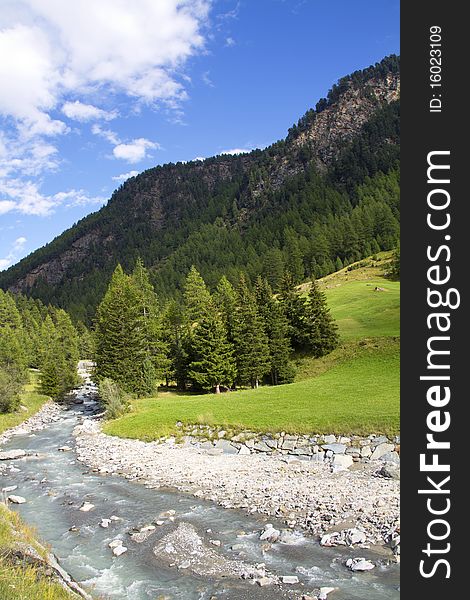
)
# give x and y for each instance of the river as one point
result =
(55, 486)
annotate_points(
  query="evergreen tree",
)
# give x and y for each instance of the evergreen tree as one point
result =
(273, 268)
(197, 297)
(67, 341)
(251, 341)
(176, 336)
(52, 362)
(321, 331)
(277, 330)
(214, 364)
(225, 300)
(293, 306)
(294, 262)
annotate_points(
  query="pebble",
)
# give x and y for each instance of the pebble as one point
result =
(86, 507)
(118, 550)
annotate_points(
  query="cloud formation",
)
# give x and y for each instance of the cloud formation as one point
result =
(12, 255)
(65, 64)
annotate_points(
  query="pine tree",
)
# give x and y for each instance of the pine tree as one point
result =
(277, 330)
(176, 336)
(321, 331)
(197, 297)
(293, 306)
(251, 341)
(52, 362)
(214, 364)
(225, 299)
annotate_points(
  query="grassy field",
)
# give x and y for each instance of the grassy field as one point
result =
(22, 582)
(353, 390)
(30, 399)
(358, 396)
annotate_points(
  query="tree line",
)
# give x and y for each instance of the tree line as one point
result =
(240, 335)
(33, 336)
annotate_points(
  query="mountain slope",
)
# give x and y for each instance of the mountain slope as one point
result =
(328, 192)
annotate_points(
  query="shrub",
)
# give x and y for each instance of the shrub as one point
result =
(114, 399)
(11, 385)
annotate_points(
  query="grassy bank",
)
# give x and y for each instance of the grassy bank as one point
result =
(22, 581)
(353, 390)
(31, 400)
(357, 396)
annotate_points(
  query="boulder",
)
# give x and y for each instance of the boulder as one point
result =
(342, 461)
(335, 448)
(244, 450)
(269, 534)
(86, 507)
(359, 564)
(382, 449)
(324, 591)
(118, 550)
(12, 454)
(16, 499)
(355, 536)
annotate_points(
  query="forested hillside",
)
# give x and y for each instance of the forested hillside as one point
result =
(325, 196)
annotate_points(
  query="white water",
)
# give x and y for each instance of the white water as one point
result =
(55, 486)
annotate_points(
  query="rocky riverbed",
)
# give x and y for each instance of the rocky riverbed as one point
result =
(303, 493)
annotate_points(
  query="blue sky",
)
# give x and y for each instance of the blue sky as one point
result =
(91, 92)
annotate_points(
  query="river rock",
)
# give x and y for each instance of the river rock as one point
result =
(115, 543)
(118, 550)
(9, 488)
(12, 454)
(391, 457)
(359, 564)
(336, 448)
(355, 536)
(389, 471)
(342, 461)
(105, 523)
(64, 449)
(264, 581)
(16, 499)
(215, 542)
(244, 450)
(86, 507)
(324, 591)
(270, 534)
(291, 579)
(381, 449)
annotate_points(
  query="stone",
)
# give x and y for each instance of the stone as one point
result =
(329, 439)
(118, 550)
(221, 434)
(9, 488)
(359, 564)
(324, 591)
(381, 439)
(336, 448)
(391, 457)
(105, 523)
(16, 499)
(64, 449)
(12, 454)
(262, 447)
(159, 523)
(215, 542)
(366, 451)
(115, 543)
(86, 507)
(290, 579)
(344, 440)
(288, 444)
(269, 534)
(355, 536)
(244, 450)
(342, 461)
(389, 471)
(382, 449)
(264, 581)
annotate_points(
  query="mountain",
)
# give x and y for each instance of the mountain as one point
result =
(324, 196)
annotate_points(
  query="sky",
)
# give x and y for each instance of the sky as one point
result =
(92, 93)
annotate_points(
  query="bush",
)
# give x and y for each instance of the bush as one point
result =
(11, 385)
(114, 399)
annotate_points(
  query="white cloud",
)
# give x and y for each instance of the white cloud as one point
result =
(12, 255)
(26, 198)
(234, 151)
(134, 151)
(229, 42)
(107, 134)
(86, 112)
(124, 176)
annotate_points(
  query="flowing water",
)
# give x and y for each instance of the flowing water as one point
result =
(55, 485)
